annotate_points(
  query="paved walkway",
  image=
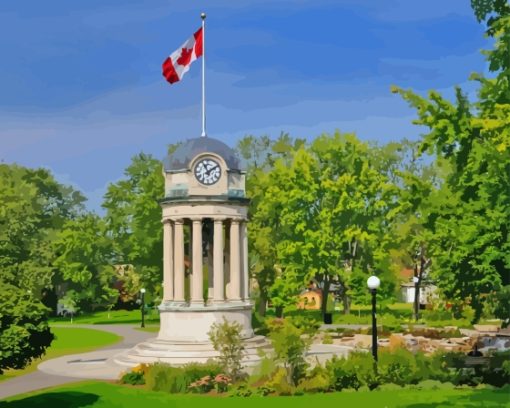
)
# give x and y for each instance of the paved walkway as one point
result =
(38, 380)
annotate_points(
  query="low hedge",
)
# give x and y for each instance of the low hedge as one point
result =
(399, 368)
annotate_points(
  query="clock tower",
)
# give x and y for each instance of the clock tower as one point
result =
(205, 256)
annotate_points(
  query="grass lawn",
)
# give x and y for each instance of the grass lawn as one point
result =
(113, 317)
(68, 341)
(101, 394)
(150, 329)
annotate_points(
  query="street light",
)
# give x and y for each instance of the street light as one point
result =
(373, 283)
(142, 291)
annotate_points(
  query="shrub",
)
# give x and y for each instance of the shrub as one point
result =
(435, 315)
(162, 377)
(226, 339)
(264, 391)
(279, 382)
(307, 324)
(133, 378)
(391, 323)
(432, 385)
(353, 372)
(195, 371)
(317, 380)
(327, 339)
(241, 391)
(400, 367)
(290, 345)
(263, 371)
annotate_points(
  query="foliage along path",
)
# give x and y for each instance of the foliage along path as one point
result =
(38, 380)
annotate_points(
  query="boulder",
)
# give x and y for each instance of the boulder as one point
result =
(486, 328)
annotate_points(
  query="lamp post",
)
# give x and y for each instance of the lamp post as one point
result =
(142, 291)
(373, 283)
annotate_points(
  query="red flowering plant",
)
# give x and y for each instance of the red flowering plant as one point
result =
(221, 382)
(205, 384)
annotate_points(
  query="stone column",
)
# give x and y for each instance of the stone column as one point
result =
(244, 263)
(168, 261)
(197, 292)
(235, 262)
(219, 281)
(179, 261)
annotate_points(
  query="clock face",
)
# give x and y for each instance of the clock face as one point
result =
(207, 171)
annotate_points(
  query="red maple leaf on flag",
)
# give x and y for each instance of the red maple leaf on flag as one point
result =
(185, 57)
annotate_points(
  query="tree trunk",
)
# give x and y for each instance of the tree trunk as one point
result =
(416, 303)
(278, 311)
(262, 303)
(417, 300)
(346, 301)
(324, 300)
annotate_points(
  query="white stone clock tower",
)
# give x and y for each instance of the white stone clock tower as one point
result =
(205, 255)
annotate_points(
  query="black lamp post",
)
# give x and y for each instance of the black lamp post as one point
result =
(373, 283)
(142, 291)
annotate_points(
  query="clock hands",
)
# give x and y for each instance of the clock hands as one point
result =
(211, 169)
(208, 172)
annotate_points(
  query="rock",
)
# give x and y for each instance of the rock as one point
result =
(363, 340)
(486, 328)
(396, 341)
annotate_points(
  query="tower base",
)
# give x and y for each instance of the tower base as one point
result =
(184, 335)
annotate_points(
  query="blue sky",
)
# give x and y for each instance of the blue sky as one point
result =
(81, 89)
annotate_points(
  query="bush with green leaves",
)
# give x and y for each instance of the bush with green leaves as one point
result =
(133, 378)
(401, 367)
(355, 371)
(280, 382)
(290, 344)
(318, 379)
(24, 330)
(226, 339)
(162, 377)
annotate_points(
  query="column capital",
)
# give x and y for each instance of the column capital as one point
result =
(236, 220)
(178, 221)
(219, 220)
(196, 219)
(166, 221)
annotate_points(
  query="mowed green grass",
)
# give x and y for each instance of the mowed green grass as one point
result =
(68, 341)
(113, 317)
(102, 395)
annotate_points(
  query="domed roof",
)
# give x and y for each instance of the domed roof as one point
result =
(187, 151)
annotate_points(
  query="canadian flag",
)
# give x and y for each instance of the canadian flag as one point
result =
(178, 63)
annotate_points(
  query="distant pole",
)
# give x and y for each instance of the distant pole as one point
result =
(204, 134)
(374, 324)
(142, 291)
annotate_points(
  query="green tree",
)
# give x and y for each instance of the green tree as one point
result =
(33, 208)
(334, 207)
(260, 155)
(84, 262)
(24, 331)
(472, 227)
(133, 219)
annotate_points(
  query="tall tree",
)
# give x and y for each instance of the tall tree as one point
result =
(260, 154)
(473, 227)
(331, 201)
(84, 263)
(133, 219)
(33, 208)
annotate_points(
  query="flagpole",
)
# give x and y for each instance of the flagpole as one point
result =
(203, 74)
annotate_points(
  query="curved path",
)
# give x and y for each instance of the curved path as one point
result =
(38, 379)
